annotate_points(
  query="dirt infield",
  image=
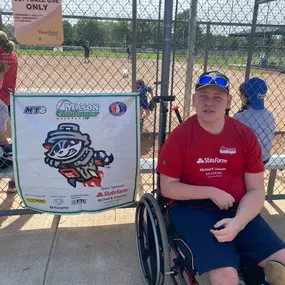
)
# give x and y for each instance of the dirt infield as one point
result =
(70, 74)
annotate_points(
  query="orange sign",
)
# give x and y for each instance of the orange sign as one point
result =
(38, 22)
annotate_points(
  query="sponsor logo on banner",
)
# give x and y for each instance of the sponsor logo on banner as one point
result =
(112, 196)
(59, 208)
(70, 152)
(211, 160)
(58, 201)
(67, 109)
(36, 201)
(111, 193)
(79, 202)
(226, 150)
(117, 108)
(35, 110)
(35, 195)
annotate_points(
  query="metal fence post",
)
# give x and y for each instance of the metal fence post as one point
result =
(271, 181)
(206, 49)
(134, 45)
(1, 21)
(252, 35)
(190, 58)
(251, 40)
(166, 55)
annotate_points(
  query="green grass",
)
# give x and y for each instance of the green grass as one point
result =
(217, 61)
(97, 53)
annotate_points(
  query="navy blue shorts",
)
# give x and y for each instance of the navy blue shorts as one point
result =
(251, 246)
(144, 104)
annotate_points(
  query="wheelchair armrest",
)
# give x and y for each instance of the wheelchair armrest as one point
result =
(160, 198)
(162, 202)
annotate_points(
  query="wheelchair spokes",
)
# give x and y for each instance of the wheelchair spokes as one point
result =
(146, 244)
(152, 244)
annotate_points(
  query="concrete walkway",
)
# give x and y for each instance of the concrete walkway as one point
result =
(95, 249)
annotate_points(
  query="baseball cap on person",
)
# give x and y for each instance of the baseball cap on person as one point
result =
(255, 90)
(213, 78)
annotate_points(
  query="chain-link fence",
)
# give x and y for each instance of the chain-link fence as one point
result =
(126, 37)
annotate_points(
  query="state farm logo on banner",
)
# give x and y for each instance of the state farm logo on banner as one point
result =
(67, 109)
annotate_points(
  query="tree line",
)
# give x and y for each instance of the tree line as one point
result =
(149, 34)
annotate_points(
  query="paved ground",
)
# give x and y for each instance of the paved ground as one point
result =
(88, 249)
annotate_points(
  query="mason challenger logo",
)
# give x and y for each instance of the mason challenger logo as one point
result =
(70, 151)
(67, 109)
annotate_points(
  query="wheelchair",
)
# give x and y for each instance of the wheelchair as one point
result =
(156, 240)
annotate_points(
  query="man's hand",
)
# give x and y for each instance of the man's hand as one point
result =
(222, 199)
(230, 230)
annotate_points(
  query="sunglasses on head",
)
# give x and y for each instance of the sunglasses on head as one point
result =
(207, 79)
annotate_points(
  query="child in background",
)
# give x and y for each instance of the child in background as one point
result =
(255, 115)
(143, 90)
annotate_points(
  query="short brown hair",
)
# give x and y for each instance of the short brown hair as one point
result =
(7, 45)
(2, 67)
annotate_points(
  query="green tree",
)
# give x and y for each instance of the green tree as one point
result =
(68, 32)
(121, 33)
(92, 31)
(147, 34)
(182, 29)
(234, 43)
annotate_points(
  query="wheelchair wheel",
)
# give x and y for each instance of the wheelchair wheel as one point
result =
(152, 242)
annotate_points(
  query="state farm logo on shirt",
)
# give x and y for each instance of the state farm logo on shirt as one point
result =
(211, 160)
(227, 150)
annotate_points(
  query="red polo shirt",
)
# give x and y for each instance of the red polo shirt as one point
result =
(9, 83)
(200, 158)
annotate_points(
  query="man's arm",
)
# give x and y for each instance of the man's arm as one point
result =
(172, 188)
(253, 201)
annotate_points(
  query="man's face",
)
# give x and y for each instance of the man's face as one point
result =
(1, 79)
(211, 102)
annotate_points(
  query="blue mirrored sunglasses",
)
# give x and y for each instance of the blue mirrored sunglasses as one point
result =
(220, 81)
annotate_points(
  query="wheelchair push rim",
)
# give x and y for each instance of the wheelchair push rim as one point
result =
(152, 242)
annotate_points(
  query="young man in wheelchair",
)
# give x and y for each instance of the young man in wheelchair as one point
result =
(212, 171)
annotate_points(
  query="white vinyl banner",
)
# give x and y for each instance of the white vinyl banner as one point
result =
(76, 153)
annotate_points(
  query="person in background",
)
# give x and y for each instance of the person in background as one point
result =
(9, 57)
(129, 52)
(143, 91)
(86, 48)
(254, 114)
(5, 148)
